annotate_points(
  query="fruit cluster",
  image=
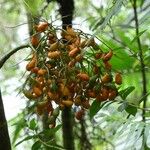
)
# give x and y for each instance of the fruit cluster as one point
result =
(70, 70)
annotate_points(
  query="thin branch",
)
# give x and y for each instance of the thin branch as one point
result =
(7, 56)
(141, 58)
(142, 10)
(143, 73)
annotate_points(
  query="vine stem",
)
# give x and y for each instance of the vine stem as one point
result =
(143, 73)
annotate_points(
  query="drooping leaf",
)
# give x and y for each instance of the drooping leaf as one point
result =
(49, 132)
(135, 38)
(145, 17)
(25, 139)
(122, 107)
(32, 124)
(20, 124)
(113, 11)
(95, 107)
(141, 3)
(36, 145)
(124, 93)
(131, 109)
(124, 37)
(121, 60)
(143, 97)
(33, 6)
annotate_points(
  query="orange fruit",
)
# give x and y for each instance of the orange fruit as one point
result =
(72, 63)
(67, 103)
(112, 94)
(83, 76)
(79, 114)
(30, 65)
(106, 78)
(107, 65)
(41, 27)
(54, 54)
(118, 78)
(35, 70)
(77, 101)
(54, 46)
(74, 52)
(108, 56)
(35, 40)
(37, 91)
(86, 104)
(98, 55)
(79, 57)
(42, 72)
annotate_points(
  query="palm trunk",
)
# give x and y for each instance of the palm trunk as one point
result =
(67, 127)
(4, 135)
(66, 11)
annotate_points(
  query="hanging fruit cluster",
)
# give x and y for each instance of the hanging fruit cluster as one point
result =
(70, 71)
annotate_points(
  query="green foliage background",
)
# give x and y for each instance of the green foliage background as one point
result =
(115, 125)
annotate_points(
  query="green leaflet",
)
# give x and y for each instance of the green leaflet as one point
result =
(113, 11)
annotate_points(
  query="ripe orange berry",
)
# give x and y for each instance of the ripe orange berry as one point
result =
(42, 72)
(67, 103)
(41, 27)
(64, 90)
(108, 56)
(118, 78)
(104, 93)
(70, 31)
(79, 58)
(53, 96)
(37, 91)
(30, 65)
(86, 104)
(72, 63)
(103, 96)
(35, 70)
(107, 65)
(83, 76)
(96, 69)
(77, 101)
(61, 106)
(112, 94)
(91, 93)
(98, 55)
(54, 46)
(35, 40)
(28, 94)
(106, 78)
(74, 52)
(79, 114)
(54, 55)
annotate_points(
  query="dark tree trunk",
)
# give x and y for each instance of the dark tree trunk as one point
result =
(4, 136)
(67, 126)
(66, 11)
